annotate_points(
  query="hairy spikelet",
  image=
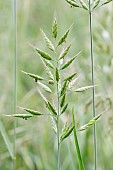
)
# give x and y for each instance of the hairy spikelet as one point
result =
(64, 52)
(91, 122)
(55, 28)
(83, 5)
(48, 42)
(44, 54)
(64, 37)
(73, 3)
(45, 87)
(34, 76)
(96, 3)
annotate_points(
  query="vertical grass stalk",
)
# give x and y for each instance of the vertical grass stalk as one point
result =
(58, 136)
(15, 86)
(93, 82)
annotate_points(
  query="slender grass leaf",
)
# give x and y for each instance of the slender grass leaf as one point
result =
(64, 52)
(63, 38)
(6, 139)
(81, 165)
(44, 54)
(45, 87)
(48, 42)
(34, 76)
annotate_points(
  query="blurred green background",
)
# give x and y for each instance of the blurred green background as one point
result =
(36, 146)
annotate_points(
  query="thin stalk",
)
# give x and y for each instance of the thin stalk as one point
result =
(15, 86)
(58, 121)
(93, 83)
(81, 165)
(58, 136)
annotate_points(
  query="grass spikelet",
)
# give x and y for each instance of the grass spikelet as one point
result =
(96, 3)
(64, 52)
(48, 42)
(69, 62)
(91, 122)
(44, 54)
(63, 89)
(64, 109)
(23, 116)
(83, 5)
(51, 108)
(45, 87)
(57, 75)
(55, 28)
(34, 76)
(70, 77)
(63, 100)
(49, 64)
(66, 132)
(33, 112)
(64, 37)
(83, 89)
(73, 3)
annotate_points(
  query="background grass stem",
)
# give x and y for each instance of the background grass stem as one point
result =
(15, 85)
(93, 83)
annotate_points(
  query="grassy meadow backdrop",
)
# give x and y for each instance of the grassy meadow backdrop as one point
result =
(36, 144)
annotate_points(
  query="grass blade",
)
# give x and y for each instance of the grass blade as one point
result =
(81, 165)
(6, 139)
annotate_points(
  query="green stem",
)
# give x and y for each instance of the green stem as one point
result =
(93, 83)
(81, 165)
(58, 135)
(15, 86)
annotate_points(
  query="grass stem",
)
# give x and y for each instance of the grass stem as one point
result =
(58, 121)
(93, 83)
(15, 86)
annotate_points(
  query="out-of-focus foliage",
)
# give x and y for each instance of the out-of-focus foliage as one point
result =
(35, 140)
